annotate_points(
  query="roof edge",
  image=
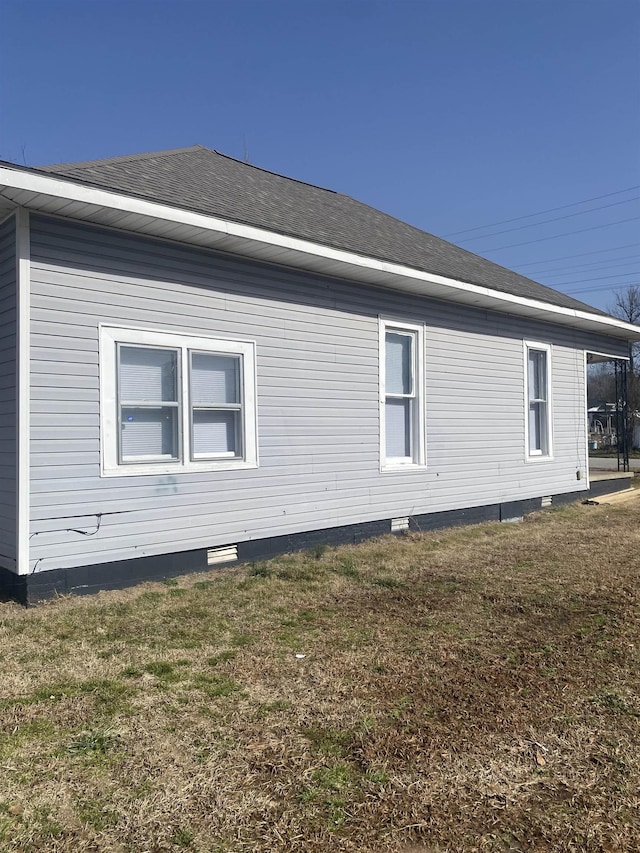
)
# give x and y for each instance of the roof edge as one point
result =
(36, 183)
(57, 168)
(86, 181)
(125, 158)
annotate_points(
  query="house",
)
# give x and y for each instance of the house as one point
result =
(202, 361)
(603, 424)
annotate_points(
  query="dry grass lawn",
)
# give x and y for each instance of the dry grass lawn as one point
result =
(473, 689)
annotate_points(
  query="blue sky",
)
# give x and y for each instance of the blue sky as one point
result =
(448, 114)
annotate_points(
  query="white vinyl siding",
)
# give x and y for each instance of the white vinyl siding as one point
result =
(181, 403)
(538, 414)
(402, 394)
(317, 349)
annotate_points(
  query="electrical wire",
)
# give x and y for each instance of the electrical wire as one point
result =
(593, 289)
(581, 255)
(564, 234)
(540, 212)
(598, 278)
(98, 516)
(605, 264)
(553, 219)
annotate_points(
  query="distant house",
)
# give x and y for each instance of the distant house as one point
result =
(202, 361)
(603, 423)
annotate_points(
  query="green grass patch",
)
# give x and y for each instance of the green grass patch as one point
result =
(96, 813)
(216, 686)
(93, 743)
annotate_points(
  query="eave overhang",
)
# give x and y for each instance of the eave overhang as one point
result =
(46, 194)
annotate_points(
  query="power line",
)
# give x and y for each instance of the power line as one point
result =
(553, 219)
(556, 272)
(540, 212)
(598, 278)
(565, 234)
(592, 289)
(581, 255)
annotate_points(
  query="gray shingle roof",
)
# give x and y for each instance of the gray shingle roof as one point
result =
(202, 180)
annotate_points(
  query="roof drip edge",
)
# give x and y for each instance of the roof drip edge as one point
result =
(47, 194)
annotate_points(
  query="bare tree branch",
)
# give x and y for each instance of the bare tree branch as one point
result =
(627, 307)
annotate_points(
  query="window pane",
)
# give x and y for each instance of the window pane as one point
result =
(398, 363)
(534, 428)
(537, 375)
(148, 375)
(149, 433)
(215, 379)
(216, 432)
(398, 428)
(538, 439)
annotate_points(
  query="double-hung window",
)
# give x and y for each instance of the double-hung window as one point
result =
(148, 404)
(216, 405)
(171, 403)
(402, 403)
(538, 418)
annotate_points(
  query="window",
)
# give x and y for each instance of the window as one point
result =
(172, 403)
(402, 414)
(538, 414)
(148, 403)
(216, 405)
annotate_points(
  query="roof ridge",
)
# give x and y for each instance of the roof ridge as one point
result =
(127, 158)
(104, 161)
(271, 172)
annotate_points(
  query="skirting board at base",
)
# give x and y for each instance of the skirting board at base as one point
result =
(30, 589)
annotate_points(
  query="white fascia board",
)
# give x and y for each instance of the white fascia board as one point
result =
(604, 356)
(341, 262)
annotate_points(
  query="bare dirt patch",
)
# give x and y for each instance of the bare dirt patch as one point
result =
(469, 690)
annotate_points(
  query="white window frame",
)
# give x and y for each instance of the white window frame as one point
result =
(546, 454)
(418, 458)
(110, 338)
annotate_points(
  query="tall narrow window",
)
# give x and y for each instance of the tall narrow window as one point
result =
(538, 402)
(402, 395)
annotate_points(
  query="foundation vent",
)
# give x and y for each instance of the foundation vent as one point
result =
(547, 501)
(398, 524)
(227, 554)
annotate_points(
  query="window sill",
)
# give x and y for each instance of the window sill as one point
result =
(176, 468)
(400, 467)
(539, 458)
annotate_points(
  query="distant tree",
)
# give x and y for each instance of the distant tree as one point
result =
(601, 385)
(626, 307)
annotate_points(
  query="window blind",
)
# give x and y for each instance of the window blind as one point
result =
(215, 432)
(215, 379)
(147, 375)
(148, 432)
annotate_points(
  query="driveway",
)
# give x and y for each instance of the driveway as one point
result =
(599, 463)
